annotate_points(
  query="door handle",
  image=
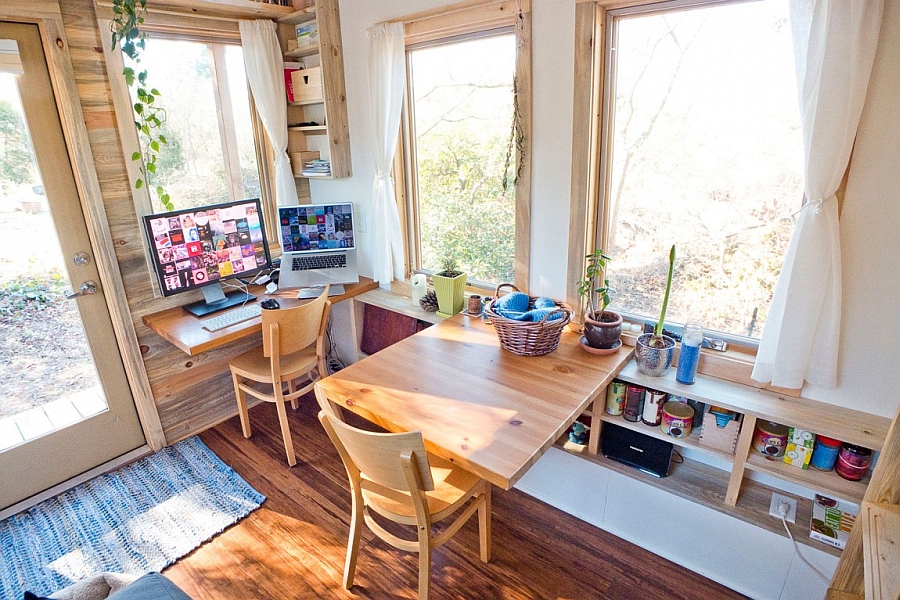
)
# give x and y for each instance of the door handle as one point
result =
(87, 288)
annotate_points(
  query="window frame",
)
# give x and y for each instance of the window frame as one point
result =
(459, 22)
(199, 29)
(588, 210)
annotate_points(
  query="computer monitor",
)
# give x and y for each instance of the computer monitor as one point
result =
(199, 248)
(318, 243)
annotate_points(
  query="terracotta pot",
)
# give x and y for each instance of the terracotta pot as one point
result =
(604, 332)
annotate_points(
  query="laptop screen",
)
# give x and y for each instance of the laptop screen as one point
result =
(317, 227)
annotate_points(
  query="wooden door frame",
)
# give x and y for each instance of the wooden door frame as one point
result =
(47, 16)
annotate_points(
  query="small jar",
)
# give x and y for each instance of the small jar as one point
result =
(652, 411)
(853, 462)
(825, 453)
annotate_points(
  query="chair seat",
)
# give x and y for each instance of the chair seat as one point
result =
(450, 484)
(253, 365)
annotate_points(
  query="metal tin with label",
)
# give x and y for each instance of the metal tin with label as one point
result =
(615, 398)
(770, 439)
(653, 403)
(634, 403)
(677, 419)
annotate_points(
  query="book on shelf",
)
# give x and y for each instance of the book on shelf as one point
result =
(307, 34)
(289, 68)
(318, 167)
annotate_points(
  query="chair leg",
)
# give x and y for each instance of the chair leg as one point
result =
(356, 521)
(242, 405)
(286, 432)
(484, 523)
(424, 560)
(291, 389)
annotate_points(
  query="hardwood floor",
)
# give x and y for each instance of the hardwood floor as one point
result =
(294, 545)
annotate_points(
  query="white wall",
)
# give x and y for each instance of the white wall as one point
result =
(869, 377)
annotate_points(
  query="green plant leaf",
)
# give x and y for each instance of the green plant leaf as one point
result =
(139, 183)
(135, 156)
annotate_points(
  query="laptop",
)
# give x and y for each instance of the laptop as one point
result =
(318, 244)
(647, 454)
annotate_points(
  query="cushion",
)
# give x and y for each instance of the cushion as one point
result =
(151, 586)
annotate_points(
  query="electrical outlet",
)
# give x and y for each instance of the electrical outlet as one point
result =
(790, 503)
(361, 225)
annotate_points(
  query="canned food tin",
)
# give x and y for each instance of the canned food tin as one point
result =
(677, 419)
(634, 403)
(825, 453)
(770, 439)
(853, 462)
(653, 403)
(615, 398)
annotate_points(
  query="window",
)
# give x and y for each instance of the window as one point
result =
(702, 149)
(466, 147)
(211, 154)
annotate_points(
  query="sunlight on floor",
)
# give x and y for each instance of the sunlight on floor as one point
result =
(34, 423)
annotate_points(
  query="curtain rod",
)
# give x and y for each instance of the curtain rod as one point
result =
(522, 5)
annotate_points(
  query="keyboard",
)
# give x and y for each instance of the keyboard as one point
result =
(319, 261)
(231, 317)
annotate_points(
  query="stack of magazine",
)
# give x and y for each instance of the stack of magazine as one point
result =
(319, 167)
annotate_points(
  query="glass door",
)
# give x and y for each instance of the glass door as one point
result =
(65, 403)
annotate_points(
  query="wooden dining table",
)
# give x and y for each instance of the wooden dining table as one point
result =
(492, 412)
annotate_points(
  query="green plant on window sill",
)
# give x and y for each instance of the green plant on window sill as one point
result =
(602, 328)
(657, 340)
(148, 117)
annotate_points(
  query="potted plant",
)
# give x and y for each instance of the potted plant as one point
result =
(602, 327)
(653, 352)
(449, 286)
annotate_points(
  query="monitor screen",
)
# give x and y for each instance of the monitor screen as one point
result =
(197, 247)
(317, 227)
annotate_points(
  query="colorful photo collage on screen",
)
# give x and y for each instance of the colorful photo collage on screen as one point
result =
(195, 248)
(316, 227)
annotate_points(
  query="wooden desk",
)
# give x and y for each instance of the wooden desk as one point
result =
(185, 331)
(490, 411)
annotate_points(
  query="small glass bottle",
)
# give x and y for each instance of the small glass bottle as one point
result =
(689, 357)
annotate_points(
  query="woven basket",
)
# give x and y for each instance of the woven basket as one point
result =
(528, 338)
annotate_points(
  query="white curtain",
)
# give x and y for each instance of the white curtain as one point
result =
(834, 48)
(387, 80)
(265, 73)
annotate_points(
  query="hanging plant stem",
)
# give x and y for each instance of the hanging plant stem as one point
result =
(148, 117)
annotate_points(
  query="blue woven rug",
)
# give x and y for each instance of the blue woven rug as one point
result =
(140, 518)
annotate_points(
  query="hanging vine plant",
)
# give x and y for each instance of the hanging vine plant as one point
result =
(128, 16)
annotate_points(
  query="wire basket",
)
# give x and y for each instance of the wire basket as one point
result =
(528, 338)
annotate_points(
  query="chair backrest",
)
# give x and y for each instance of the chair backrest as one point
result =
(298, 327)
(378, 455)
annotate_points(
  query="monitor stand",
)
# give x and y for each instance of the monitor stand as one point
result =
(215, 299)
(315, 292)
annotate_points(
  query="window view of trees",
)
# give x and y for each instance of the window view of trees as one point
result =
(706, 154)
(462, 96)
(194, 166)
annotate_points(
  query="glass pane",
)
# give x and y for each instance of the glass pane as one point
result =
(192, 166)
(243, 122)
(463, 111)
(47, 377)
(707, 155)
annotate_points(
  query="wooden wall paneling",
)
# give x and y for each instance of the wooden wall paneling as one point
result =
(522, 264)
(328, 19)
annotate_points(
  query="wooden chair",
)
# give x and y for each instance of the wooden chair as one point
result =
(293, 347)
(392, 475)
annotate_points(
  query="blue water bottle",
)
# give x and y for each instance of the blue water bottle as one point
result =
(691, 340)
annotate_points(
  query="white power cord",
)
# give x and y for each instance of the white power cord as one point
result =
(783, 512)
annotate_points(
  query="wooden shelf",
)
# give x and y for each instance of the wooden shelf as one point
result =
(307, 102)
(706, 485)
(296, 17)
(240, 9)
(301, 52)
(310, 128)
(398, 304)
(827, 482)
(834, 421)
(881, 547)
(692, 441)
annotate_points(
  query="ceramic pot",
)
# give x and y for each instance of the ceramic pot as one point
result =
(450, 293)
(653, 361)
(603, 332)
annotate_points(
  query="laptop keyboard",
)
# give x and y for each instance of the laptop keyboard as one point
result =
(319, 261)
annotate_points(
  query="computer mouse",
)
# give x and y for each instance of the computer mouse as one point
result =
(270, 303)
